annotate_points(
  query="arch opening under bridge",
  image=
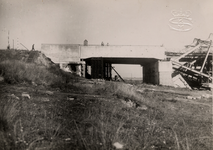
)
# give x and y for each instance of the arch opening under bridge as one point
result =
(154, 70)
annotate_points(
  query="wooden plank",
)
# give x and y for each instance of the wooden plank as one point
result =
(199, 73)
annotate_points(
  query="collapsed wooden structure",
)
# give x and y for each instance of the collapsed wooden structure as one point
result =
(195, 65)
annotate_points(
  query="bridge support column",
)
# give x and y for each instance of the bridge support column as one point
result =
(100, 69)
(107, 71)
(83, 70)
(164, 73)
(149, 73)
(97, 68)
(159, 72)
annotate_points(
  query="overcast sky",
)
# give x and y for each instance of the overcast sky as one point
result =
(117, 22)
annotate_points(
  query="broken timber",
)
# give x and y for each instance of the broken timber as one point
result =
(197, 72)
(196, 65)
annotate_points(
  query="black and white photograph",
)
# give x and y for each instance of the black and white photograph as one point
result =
(106, 74)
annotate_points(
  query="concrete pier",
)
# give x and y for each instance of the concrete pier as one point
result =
(159, 72)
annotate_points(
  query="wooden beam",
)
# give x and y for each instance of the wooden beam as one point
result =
(191, 50)
(201, 70)
(118, 74)
(195, 71)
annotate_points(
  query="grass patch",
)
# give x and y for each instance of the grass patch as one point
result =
(94, 123)
(15, 71)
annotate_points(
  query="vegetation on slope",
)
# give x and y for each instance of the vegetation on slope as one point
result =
(37, 69)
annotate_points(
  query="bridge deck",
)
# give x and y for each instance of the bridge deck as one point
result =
(117, 60)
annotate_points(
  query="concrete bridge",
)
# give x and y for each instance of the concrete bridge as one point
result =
(95, 61)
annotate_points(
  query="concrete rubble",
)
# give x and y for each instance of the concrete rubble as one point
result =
(178, 81)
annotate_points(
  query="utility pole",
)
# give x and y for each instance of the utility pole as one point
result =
(8, 38)
(8, 46)
(17, 44)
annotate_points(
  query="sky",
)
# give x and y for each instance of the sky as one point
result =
(117, 22)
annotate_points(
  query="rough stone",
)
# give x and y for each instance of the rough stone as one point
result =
(189, 97)
(118, 145)
(199, 97)
(130, 104)
(34, 84)
(45, 99)
(206, 96)
(143, 107)
(140, 90)
(25, 95)
(70, 98)
(49, 92)
(1, 79)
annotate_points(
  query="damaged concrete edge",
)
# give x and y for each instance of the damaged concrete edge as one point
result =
(75, 67)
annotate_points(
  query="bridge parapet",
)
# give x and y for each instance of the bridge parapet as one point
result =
(60, 53)
(139, 51)
(75, 52)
